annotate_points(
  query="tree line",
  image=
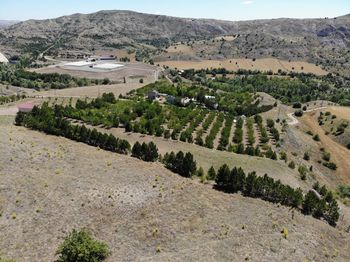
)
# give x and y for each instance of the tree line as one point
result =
(19, 77)
(319, 205)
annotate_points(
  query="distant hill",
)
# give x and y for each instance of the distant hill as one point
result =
(324, 41)
(6, 23)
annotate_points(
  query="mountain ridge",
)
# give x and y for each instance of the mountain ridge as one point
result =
(321, 41)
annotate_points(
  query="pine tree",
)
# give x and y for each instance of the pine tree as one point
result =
(211, 173)
(189, 165)
(222, 178)
(136, 150)
(152, 154)
(332, 213)
(310, 203)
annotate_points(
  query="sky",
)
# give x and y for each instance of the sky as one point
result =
(233, 10)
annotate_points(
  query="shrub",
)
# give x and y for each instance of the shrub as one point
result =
(344, 191)
(316, 137)
(302, 171)
(330, 165)
(291, 165)
(79, 246)
(326, 156)
(298, 113)
(306, 156)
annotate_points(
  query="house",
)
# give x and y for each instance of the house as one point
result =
(3, 59)
(152, 95)
(25, 107)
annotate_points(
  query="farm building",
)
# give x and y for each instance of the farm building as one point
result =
(3, 59)
(103, 58)
(25, 108)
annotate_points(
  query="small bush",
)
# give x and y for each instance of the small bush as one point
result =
(291, 165)
(344, 191)
(330, 165)
(299, 113)
(79, 246)
(306, 156)
(316, 137)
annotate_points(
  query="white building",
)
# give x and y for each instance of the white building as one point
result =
(3, 59)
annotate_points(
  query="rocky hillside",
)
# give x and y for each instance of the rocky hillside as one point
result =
(323, 41)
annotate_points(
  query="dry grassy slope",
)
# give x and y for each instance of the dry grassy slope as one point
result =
(52, 185)
(211, 157)
(339, 154)
(315, 40)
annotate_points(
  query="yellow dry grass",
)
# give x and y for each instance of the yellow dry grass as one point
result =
(264, 64)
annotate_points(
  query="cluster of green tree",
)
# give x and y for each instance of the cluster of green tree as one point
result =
(299, 88)
(187, 134)
(249, 150)
(225, 133)
(50, 120)
(209, 140)
(250, 131)
(266, 188)
(146, 152)
(320, 203)
(273, 130)
(80, 246)
(238, 133)
(236, 103)
(19, 77)
(264, 137)
(11, 98)
(180, 163)
(96, 112)
(202, 73)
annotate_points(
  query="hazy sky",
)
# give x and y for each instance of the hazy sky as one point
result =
(219, 9)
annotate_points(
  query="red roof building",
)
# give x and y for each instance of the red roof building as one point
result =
(26, 107)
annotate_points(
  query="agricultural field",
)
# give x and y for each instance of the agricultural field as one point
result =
(263, 64)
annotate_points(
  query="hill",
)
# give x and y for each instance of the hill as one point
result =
(320, 41)
(6, 23)
(141, 210)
